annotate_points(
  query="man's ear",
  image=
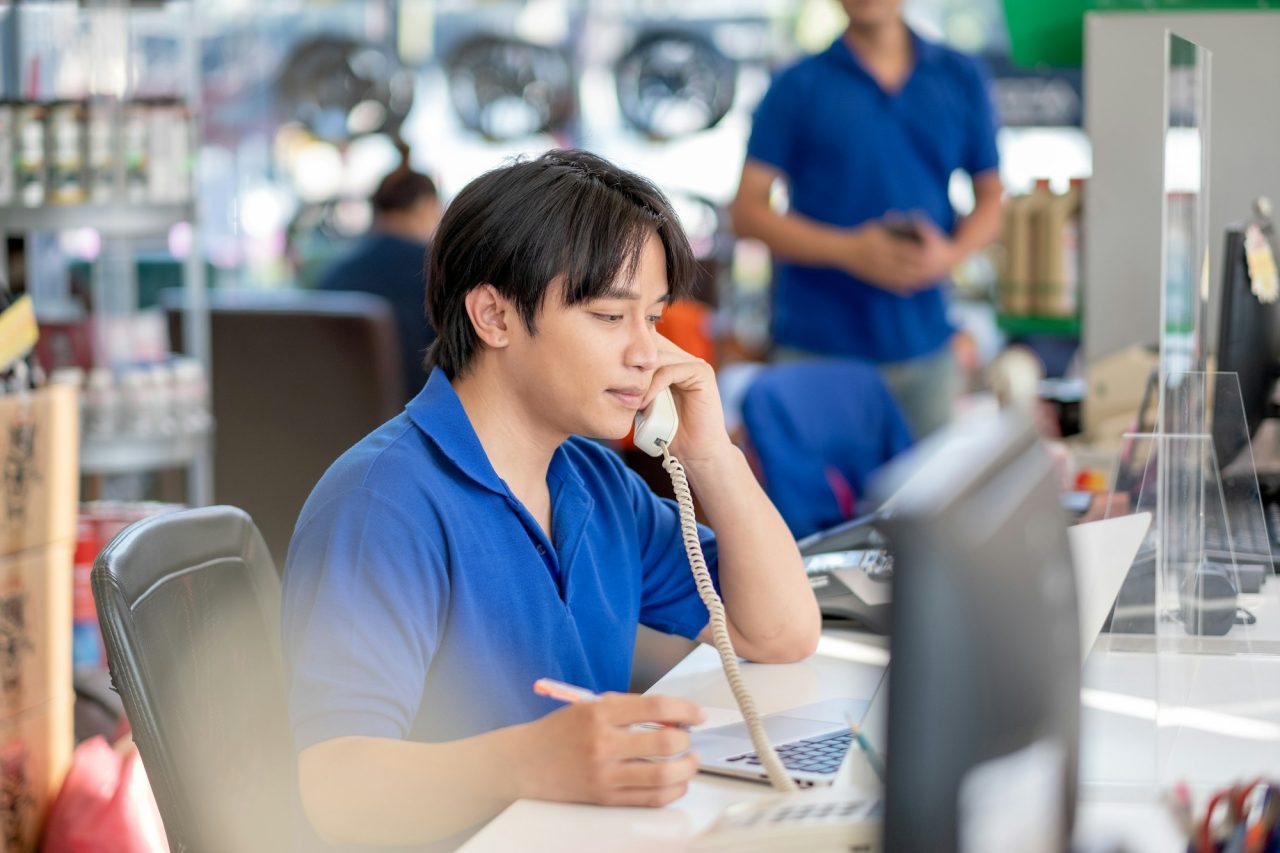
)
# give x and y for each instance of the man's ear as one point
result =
(490, 314)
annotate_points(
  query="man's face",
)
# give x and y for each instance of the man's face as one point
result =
(871, 13)
(589, 365)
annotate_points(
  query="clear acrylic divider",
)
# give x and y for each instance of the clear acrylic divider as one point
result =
(1184, 683)
(1218, 632)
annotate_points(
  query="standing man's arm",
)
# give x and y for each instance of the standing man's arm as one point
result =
(981, 227)
(772, 613)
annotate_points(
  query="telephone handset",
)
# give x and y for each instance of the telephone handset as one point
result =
(657, 423)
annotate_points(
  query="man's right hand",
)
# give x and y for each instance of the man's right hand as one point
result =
(589, 753)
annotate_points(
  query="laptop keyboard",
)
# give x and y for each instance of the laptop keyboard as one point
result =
(813, 755)
(1246, 541)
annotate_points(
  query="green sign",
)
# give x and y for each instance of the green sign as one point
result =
(1051, 32)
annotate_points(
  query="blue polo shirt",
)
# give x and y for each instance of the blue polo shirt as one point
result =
(852, 152)
(422, 600)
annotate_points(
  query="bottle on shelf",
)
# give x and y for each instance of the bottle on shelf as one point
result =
(66, 128)
(1059, 273)
(30, 134)
(1018, 278)
(100, 416)
(66, 152)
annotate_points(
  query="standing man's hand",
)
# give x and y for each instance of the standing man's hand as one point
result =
(896, 263)
(935, 255)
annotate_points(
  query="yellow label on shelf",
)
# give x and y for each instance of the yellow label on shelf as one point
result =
(18, 332)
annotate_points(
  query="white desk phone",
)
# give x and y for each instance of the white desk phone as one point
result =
(836, 819)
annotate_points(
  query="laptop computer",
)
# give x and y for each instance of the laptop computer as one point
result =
(813, 740)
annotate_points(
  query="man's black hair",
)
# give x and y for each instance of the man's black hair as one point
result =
(568, 214)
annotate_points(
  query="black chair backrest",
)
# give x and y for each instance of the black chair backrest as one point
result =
(189, 605)
(298, 377)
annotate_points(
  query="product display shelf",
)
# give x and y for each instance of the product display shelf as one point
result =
(146, 202)
(115, 220)
(128, 454)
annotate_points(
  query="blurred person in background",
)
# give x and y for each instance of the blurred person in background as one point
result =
(866, 136)
(391, 260)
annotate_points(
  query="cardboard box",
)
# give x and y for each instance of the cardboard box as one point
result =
(35, 627)
(39, 467)
(35, 752)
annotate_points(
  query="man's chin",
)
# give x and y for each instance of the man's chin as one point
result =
(612, 432)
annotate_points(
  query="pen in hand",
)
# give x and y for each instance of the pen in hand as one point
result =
(572, 694)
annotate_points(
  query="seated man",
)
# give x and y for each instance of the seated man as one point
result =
(474, 543)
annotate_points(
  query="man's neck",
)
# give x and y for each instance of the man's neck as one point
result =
(884, 49)
(400, 226)
(517, 451)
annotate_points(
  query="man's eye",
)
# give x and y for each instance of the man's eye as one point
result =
(655, 319)
(608, 318)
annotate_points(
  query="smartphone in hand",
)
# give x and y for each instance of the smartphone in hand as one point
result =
(904, 229)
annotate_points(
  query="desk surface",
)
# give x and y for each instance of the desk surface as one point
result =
(1218, 723)
(846, 664)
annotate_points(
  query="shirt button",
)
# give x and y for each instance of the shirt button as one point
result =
(542, 550)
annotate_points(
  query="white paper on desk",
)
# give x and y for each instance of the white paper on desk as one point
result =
(1102, 552)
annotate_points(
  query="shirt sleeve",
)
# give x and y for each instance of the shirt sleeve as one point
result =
(669, 600)
(363, 602)
(981, 152)
(773, 139)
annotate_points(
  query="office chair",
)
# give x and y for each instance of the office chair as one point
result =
(297, 378)
(817, 431)
(189, 605)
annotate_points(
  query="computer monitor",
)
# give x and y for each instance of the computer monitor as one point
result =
(1248, 346)
(984, 673)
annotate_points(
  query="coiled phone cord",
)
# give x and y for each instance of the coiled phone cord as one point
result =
(778, 774)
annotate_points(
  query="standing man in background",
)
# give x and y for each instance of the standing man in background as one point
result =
(866, 136)
(391, 260)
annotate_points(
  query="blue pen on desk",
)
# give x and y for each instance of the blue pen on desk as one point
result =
(873, 757)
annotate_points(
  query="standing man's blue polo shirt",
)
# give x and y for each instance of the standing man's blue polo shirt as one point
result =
(852, 152)
(422, 600)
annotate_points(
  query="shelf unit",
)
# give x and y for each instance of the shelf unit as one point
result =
(121, 221)
(122, 224)
(117, 220)
(128, 454)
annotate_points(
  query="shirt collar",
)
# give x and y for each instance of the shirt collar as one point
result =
(438, 412)
(924, 52)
